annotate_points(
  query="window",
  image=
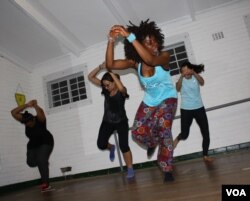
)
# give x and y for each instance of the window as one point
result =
(178, 55)
(180, 51)
(65, 88)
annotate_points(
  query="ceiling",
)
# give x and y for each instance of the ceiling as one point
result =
(35, 31)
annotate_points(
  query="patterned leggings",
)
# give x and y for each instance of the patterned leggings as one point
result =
(152, 126)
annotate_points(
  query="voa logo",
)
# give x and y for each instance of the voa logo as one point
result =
(236, 192)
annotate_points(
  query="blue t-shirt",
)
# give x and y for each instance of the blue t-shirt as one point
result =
(190, 94)
(158, 87)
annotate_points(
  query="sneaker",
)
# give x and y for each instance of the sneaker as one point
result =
(46, 187)
(130, 173)
(112, 153)
(208, 159)
(150, 152)
(168, 177)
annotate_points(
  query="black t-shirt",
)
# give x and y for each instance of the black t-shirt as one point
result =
(38, 135)
(114, 108)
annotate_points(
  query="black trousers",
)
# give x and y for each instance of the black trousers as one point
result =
(39, 157)
(107, 129)
(200, 116)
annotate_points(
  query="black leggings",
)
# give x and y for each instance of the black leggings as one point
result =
(107, 129)
(200, 116)
(39, 157)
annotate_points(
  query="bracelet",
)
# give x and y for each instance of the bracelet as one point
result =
(131, 37)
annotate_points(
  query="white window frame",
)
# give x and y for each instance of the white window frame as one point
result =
(65, 75)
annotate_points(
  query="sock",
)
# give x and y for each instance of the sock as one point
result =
(130, 173)
(112, 153)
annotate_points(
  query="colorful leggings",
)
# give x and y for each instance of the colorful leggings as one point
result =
(152, 126)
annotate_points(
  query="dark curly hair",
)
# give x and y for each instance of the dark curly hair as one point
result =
(145, 29)
(197, 68)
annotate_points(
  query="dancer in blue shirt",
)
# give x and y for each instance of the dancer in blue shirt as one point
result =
(153, 121)
(192, 106)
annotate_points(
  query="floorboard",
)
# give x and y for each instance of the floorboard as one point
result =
(194, 181)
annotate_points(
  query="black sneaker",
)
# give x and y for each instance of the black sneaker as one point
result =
(150, 151)
(168, 177)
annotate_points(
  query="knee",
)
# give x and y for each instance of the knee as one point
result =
(182, 136)
(124, 149)
(101, 146)
(31, 163)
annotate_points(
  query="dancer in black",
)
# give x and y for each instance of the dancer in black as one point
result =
(41, 142)
(114, 117)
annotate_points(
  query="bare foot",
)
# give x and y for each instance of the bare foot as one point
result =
(208, 159)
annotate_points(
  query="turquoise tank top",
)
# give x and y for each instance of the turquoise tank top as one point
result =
(158, 87)
(190, 94)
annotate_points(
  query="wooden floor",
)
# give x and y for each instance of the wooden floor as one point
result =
(194, 181)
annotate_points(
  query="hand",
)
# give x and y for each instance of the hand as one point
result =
(32, 103)
(120, 30)
(112, 35)
(103, 65)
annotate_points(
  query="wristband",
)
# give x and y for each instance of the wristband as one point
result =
(131, 37)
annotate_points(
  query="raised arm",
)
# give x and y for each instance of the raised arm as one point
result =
(111, 63)
(39, 111)
(150, 59)
(179, 83)
(93, 74)
(16, 112)
(199, 78)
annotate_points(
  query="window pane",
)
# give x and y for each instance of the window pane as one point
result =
(173, 66)
(82, 97)
(75, 99)
(182, 61)
(73, 86)
(56, 98)
(181, 56)
(180, 49)
(81, 78)
(65, 96)
(54, 86)
(64, 89)
(74, 93)
(57, 104)
(172, 58)
(63, 83)
(72, 81)
(82, 91)
(81, 84)
(55, 92)
(64, 102)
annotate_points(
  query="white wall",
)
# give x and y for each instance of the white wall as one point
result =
(75, 131)
(12, 137)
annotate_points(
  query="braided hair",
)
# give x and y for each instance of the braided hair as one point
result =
(145, 29)
(197, 68)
